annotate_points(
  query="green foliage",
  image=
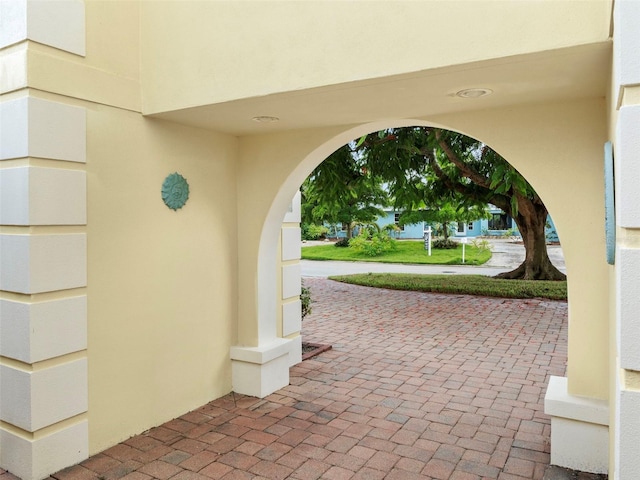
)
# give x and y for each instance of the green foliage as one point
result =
(309, 231)
(433, 175)
(427, 168)
(305, 299)
(444, 243)
(444, 216)
(550, 233)
(342, 243)
(444, 229)
(372, 244)
(511, 233)
(482, 244)
(461, 284)
(392, 230)
(342, 190)
(430, 167)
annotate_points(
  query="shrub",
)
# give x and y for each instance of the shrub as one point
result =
(372, 245)
(305, 299)
(511, 233)
(444, 243)
(310, 231)
(392, 230)
(343, 242)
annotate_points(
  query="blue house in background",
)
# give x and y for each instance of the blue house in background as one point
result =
(497, 225)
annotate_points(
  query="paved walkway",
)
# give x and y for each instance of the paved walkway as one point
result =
(417, 386)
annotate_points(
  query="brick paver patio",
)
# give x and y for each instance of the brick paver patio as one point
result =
(416, 386)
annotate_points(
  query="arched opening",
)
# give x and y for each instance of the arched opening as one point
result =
(445, 371)
(271, 232)
(550, 166)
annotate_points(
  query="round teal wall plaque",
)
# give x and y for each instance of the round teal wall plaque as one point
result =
(609, 204)
(175, 191)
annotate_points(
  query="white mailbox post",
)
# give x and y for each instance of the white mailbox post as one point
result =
(464, 243)
(427, 240)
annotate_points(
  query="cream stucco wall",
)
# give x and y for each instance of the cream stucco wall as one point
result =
(162, 283)
(109, 73)
(558, 148)
(168, 293)
(311, 44)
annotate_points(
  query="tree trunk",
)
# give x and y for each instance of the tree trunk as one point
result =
(531, 221)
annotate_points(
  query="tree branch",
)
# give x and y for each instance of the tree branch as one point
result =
(443, 177)
(466, 171)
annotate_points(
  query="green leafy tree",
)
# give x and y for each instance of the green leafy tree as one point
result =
(342, 190)
(444, 214)
(425, 165)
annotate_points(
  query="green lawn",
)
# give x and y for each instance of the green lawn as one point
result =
(406, 252)
(460, 284)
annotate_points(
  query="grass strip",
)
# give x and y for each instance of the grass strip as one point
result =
(406, 252)
(480, 285)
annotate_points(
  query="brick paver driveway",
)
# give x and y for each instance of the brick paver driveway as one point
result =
(416, 386)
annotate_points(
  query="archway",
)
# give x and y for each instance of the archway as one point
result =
(552, 145)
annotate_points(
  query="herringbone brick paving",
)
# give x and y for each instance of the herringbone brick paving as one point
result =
(417, 386)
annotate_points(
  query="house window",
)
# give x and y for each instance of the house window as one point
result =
(470, 226)
(499, 221)
(396, 219)
(460, 227)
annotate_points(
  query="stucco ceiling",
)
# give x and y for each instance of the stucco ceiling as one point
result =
(569, 73)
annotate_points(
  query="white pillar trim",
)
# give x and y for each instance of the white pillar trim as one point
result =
(260, 371)
(43, 407)
(59, 24)
(579, 429)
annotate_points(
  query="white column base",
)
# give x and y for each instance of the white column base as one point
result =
(260, 371)
(579, 429)
(38, 458)
(295, 353)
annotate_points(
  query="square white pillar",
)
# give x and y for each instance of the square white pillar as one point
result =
(293, 214)
(291, 243)
(627, 149)
(291, 283)
(260, 371)
(59, 24)
(42, 263)
(42, 196)
(579, 429)
(33, 127)
(32, 332)
(291, 317)
(37, 458)
(32, 400)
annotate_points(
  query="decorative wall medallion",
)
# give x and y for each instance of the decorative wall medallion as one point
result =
(175, 191)
(609, 204)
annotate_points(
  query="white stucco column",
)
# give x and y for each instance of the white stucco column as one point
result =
(626, 432)
(263, 369)
(290, 318)
(43, 261)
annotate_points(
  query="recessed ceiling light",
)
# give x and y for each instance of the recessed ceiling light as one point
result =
(474, 92)
(265, 119)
